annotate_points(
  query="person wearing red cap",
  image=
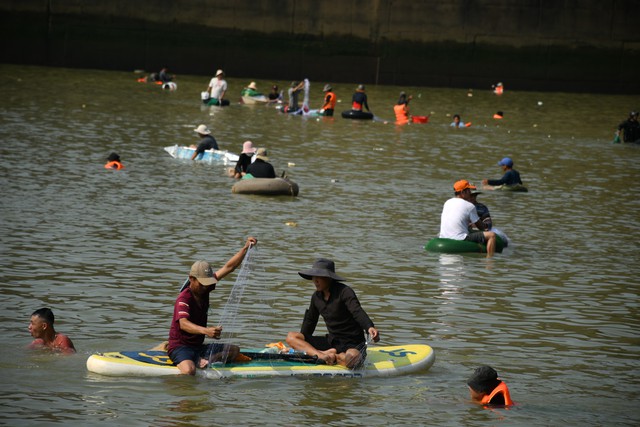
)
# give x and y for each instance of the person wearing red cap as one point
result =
(458, 213)
(189, 324)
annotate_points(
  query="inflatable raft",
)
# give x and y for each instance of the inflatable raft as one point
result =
(515, 187)
(209, 156)
(381, 361)
(252, 100)
(357, 115)
(452, 246)
(266, 186)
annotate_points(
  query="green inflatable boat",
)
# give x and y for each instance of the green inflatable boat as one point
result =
(452, 246)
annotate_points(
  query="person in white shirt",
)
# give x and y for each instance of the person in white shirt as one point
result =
(217, 88)
(458, 213)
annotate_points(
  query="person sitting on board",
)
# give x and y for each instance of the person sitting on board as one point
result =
(46, 337)
(359, 99)
(294, 92)
(217, 88)
(345, 319)
(630, 129)
(244, 160)
(458, 123)
(113, 162)
(261, 168)
(401, 109)
(186, 347)
(207, 141)
(487, 389)
(329, 101)
(510, 177)
(458, 212)
(251, 90)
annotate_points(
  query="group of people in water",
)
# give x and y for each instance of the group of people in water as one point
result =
(464, 218)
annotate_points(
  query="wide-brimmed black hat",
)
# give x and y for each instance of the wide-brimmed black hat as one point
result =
(484, 379)
(321, 268)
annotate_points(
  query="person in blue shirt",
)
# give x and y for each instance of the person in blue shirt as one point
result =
(510, 177)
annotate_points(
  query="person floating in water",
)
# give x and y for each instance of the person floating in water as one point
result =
(487, 389)
(46, 337)
(113, 162)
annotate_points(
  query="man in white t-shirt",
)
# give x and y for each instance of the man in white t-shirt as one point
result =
(217, 88)
(458, 213)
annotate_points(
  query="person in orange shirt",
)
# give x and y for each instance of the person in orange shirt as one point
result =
(487, 389)
(113, 162)
(46, 337)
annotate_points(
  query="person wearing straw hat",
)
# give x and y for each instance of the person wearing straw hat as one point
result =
(189, 328)
(458, 213)
(207, 141)
(244, 160)
(261, 168)
(251, 90)
(345, 319)
(217, 88)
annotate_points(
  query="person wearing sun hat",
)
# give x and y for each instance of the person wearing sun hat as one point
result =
(510, 177)
(186, 346)
(207, 141)
(458, 213)
(330, 100)
(345, 319)
(251, 90)
(244, 160)
(261, 168)
(217, 88)
(486, 388)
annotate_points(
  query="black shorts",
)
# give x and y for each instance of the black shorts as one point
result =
(475, 236)
(322, 343)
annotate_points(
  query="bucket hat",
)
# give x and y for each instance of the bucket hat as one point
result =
(321, 268)
(202, 130)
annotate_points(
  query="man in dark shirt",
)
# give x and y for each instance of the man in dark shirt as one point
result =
(207, 141)
(345, 319)
(261, 168)
(630, 128)
(510, 177)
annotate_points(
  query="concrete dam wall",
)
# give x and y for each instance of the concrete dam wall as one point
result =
(557, 45)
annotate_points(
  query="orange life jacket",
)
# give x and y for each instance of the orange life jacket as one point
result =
(402, 117)
(501, 389)
(114, 165)
(497, 116)
(329, 104)
(499, 90)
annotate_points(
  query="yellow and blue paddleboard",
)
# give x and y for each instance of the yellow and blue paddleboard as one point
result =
(380, 361)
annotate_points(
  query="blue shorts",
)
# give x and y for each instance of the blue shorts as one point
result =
(185, 352)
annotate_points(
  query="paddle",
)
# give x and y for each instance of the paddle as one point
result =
(289, 357)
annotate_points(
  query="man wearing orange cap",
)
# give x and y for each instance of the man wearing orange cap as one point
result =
(458, 213)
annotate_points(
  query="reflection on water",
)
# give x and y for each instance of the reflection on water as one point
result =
(556, 314)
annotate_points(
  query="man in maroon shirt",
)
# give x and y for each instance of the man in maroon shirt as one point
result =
(189, 324)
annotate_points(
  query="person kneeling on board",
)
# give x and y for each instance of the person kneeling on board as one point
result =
(487, 389)
(345, 319)
(189, 324)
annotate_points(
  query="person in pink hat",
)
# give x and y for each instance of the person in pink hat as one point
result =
(248, 150)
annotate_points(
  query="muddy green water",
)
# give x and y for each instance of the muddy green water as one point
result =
(557, 314)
